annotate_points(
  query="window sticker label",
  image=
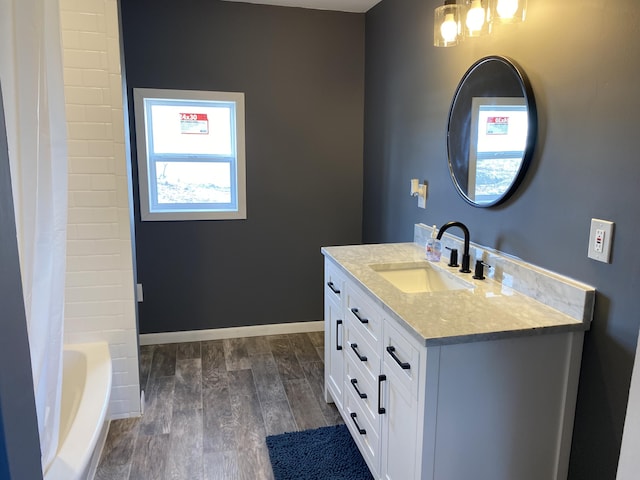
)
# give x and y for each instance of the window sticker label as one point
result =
(497, 125)
(194, 124)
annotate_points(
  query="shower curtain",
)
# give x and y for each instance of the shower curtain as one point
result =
(33, 93)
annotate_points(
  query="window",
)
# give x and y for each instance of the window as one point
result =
(191, 156)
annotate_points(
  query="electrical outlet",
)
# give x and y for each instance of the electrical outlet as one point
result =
(600, 240)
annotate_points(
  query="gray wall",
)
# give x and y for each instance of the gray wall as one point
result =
(19, 443)
(583, 59)
(302, 72)
(4, 461)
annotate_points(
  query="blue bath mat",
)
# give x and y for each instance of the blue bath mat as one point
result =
(326, 453)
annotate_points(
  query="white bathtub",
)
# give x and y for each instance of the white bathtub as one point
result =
(86, 387)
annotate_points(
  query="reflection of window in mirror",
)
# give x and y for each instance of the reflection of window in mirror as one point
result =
(496, 148)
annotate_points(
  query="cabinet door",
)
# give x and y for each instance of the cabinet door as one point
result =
(333, 352)
(399, 430)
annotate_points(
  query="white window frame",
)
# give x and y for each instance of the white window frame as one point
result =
(150, 211)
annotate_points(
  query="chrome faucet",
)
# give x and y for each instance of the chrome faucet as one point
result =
(465, 255)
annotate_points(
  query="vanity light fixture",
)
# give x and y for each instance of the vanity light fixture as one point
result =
(458, 19)
(507, 11)
(447, 25)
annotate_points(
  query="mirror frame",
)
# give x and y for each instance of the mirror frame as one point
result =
(532, 131)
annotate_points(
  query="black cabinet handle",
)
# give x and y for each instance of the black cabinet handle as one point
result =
(354, 347)
(381, 410)
(333, 288)
(362, 320)
(361, 431)
(404, 365)
(354, 382)
(338, 346)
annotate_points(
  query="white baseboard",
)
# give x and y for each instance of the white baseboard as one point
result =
(233, 332)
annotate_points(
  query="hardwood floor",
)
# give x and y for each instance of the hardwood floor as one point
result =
(210, 405)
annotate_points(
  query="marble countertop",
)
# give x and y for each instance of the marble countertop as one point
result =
(489, 310)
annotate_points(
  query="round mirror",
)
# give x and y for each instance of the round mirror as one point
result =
(491, 132)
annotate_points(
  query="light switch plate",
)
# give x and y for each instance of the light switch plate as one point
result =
(422, 195)
(600, 240)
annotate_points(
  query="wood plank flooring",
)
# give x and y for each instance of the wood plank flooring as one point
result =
(210, 405)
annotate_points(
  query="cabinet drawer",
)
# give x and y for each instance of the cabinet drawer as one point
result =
(360, 352)
(365, 435)
(363, 388)
(334, 281)
(363, 314)
(401, 358)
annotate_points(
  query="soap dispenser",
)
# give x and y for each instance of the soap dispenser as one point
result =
(433, 248)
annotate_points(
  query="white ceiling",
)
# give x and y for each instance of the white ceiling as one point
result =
(357, 6)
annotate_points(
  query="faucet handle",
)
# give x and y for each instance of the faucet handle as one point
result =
(479, 270)
(453, 257)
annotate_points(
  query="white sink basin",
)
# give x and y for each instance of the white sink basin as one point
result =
(419, 277)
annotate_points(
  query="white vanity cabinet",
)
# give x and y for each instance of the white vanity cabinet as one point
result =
(491, 409)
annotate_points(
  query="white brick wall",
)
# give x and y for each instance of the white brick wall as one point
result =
(100, 304)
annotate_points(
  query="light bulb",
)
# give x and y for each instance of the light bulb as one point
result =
(449, 28)
(507, 8)
(475, 16)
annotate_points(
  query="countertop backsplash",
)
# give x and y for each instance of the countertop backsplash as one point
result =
(562, 293)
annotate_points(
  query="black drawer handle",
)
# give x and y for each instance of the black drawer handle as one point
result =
(362, 320)
(361, 431)
(403, 365)
(354, 382)
(354, 347)
(381, 410)
(338, 346)
(333, 288)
